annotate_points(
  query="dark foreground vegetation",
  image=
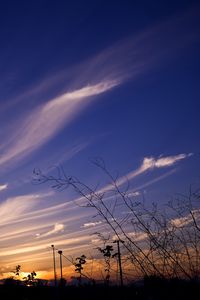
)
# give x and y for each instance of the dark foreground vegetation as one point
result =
(154, 239)
(152, 288)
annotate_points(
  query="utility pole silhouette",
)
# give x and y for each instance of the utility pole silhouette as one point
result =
(60, 252)
(54, 265)
(119, 260)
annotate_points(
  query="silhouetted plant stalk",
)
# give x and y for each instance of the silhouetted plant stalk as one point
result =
(107, 254)
(30, 279)
(166, 244)
(80, 261)
(17, 270)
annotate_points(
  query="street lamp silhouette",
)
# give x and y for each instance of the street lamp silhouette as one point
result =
(54, 265)
(119, 260)
(60, 252)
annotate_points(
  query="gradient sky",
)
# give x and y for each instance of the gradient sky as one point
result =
(85, 79)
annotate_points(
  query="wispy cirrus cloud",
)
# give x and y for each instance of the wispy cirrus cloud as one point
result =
(186, 220)
(154, 180)
(151, 163)
(134, 236)
(36, 245)
(3, 186)
(41, 225)
(58, 227)
(91, 224)
(26, 205)
(45, 121)
(15, 207)
(128, 58)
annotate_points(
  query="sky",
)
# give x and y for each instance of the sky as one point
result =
(84, 79)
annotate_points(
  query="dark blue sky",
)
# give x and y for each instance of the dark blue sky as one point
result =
(82, 79)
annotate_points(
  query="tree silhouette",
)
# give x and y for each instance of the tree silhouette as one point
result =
(79, 266)
(107, 253)
(17, 270)
(30, 279)
(162, 242)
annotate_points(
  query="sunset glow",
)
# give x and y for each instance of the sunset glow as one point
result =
(88, 82)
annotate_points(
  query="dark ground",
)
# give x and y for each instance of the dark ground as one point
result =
(157, 290)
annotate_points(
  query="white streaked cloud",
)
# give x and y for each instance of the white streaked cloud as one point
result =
(128, 58)
(45, 121)
(154, 180)
(181, 222)
(186, 220)
(36, 246)
(134, 236)
(91, 224)
(169, 160)
(13, 208)
(3, 186)
(149, 164)
(134, 194)
(138, 236)
(26, 205)
(57, 228)
(39, 227)
(74, 150)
